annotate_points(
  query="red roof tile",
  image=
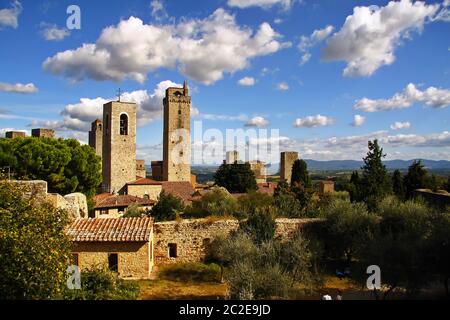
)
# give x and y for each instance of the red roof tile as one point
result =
(180, 189)
(110, 230)
(144, 182)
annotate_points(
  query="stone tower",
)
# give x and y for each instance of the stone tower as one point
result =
(119, 146)
(232, 157)
(96, 137)
(177, 141)
(286, 162)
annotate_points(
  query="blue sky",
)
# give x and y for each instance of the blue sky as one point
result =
(309, 68)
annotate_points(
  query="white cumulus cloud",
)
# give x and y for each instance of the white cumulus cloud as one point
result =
(242, 4)
(358, 120)
(313, 121)
(257, 122)
(9, 17)
(78, 116)
(432, 97)
(202, 49)
(283, 86)
(18, 87)
(247, 81)
(369, 37)
(400, 125)
(52, 32)
(307, 43)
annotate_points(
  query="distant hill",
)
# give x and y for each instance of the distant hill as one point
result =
(390, 164)
(344, 165)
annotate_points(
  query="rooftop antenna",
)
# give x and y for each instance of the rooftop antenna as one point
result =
(119, 94)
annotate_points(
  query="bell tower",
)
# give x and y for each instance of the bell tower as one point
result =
(119, 146)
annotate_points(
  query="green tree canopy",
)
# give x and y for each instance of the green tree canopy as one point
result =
(34, 251)
(399, 244)
(398, 186)
(300, 173)
(416, 178)
(260, 227)
(266, 270)
(347, 228)
(353, 187)
(218, 202)
(375, 182)
(167, 208)
(66, 165)
(236, 177)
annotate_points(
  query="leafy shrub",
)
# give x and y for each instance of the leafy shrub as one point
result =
(347, 228)
(34, 249)
(102, 284)
(217, 202)
(167, 208)
(253, 202)
(260, 227)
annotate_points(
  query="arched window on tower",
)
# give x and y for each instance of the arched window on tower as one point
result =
(123, 125)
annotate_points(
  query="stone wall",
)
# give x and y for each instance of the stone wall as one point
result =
(153, 191)
(134, 258)
(74, 203)
(191, 236)
(36, 189)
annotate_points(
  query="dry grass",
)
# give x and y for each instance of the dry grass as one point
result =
(184, 281)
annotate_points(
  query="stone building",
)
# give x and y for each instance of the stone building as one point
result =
(109, 206)
(96, 137)
(119, 146)
(157, 170)
(231, 157)
(286, 162)
(123, 245)
(176, 135)
(145, 188)
(15, 134)
(326, 186)
(141, 171)
(43, 133)
(259, 169)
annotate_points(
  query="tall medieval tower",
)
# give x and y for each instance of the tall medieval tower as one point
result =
(96, 137)
(119, 146)
(177, 129)
(286, 162)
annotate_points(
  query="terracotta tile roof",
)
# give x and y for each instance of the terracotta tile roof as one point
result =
(116, 201)
(110, 230)
(100, 197)
(144, 182)
(180, 189)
